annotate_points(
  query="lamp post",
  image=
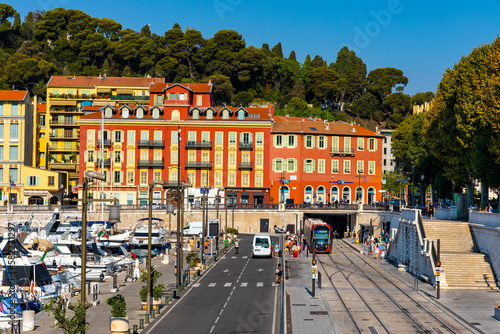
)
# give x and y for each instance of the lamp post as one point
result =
(150, 229)
(102, 162)
(179, 230)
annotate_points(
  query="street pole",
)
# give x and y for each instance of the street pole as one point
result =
(83, 267)
(102, 163)
(438, 255)
(179, 231)
(150, 228)
(232, 224)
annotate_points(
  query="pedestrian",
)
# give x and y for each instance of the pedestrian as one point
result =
(276, 250)
(490, 208)
(278, 273)
(206, 245)
(376, 251)
(236, 246)
(198, 245)
(431, 210)
(226, 245)
(191, 245)
(175, 264)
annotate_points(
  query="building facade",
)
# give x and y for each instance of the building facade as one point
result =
(221, 148)
(388, 164)
(66, 98)
(314, 161)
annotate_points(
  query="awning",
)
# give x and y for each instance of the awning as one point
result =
(258, 195)
(103, 103)
(245, 194)
(63, 103)
(230, 193)
(103, 90)
(124, 91)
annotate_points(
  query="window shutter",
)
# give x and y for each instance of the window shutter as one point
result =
(284, 165)
(285, 141)
(312, 143)
(314, 166)
(295, 163)
(27, 181)
(241, 137)
(305, 164)
(274, 140)
(250, 137)
(99, 135)
(37, 180)
(274, 165)
(85, 156)
(376, 142)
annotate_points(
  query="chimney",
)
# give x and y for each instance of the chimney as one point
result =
(287, 115)
(210, 82)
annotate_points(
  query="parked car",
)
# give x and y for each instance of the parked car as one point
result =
(396, 201)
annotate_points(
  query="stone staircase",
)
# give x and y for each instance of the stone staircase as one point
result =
(464, 267)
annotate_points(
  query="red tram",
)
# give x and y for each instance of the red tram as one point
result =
(321, 232)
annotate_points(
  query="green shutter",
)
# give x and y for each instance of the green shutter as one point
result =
(314, 165)
(27, 181)
(37, 181)
(274, 165)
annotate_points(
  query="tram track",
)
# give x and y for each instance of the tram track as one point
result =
(353, 271)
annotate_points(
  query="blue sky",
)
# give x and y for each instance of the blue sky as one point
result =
(422, 38)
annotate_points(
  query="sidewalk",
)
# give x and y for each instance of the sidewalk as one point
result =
(473, 306)
(308, 314)
(98, 316)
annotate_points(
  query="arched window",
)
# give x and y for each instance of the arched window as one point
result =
(108, 112)
(156, 113)
(210, 114)
(335, 194)
(241, 114)
(225, 114)
(196, 114)
(140, 113)
(346, 194)
(125, 112)
(284, 194)
(308, 194)
(371, 195)
(321, 195)
(176, 116)
(359, 194)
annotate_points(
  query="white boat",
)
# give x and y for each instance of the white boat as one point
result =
(140, 238)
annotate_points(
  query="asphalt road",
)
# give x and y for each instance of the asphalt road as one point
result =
(237, 295)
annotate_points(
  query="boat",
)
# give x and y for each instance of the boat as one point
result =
(139, 242)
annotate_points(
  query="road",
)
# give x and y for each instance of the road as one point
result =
(237, 294)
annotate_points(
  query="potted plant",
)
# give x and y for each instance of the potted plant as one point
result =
(193, 261)
(118, 321)
(72, 157)
(51, 158)
(157, 289)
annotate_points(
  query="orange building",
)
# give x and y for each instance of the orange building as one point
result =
(314, 161)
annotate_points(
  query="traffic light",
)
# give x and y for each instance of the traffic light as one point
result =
(314, 262)
(438, 264)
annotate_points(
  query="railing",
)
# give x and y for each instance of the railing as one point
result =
(151, 163)
(63, 148)
(176, 102)
(321, 206)
(65, 111)
(376, 206)
(69, 123)
(52, 136)
(107, 143)
(198, 144)
(245, 165)
(107, 162)
(342, 151)
(198, 164)
(128, 97)
(245, 145)
(151, 143)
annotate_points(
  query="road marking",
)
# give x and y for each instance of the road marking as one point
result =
(244, 257)
(228, 298)
(231, 293)
(274, 309)
(217, 319)
(195, 285)
(227, 285)
(233, 257)
(221, 312)
(260, 284)
(211, 285)
(225, 305)
(212, 329)
(244, 285)
(225, 270)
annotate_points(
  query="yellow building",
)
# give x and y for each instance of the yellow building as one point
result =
(42, 187)
(40, 136)
(16, 142)
(66, 97)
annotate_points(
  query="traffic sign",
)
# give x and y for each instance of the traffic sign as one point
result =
(314, 276)
(287, 180)
(314, 269)
(341, 182)
(438, 273)
(438, 278)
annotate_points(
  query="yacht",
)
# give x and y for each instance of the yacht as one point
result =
(139, 242)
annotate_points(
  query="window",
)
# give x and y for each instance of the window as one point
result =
(118, 136)
(218, 179)
(321, 165)
(241, 114)
(144, 177)
(232, 138)
(1, 174)
(131, 137)
(371, 167)
(13, 175)
(219, 138)
(1, 153)
(51, 181)
(321, 141)
(225, 114)
(361, 167)
(246, 137)
(176, 115)
(309, 141)
(199, 100)
(15, 109)
(130, 176)
(144, 155)
(258, 159)
(218, 158)
(173, 157)
(191, 178)
(232, 179)
(157, 135)
(372, 144)
(196, 114)
(205, 136)
(175, 137)
(125, 112)
(144, 135)
(232, 159)
(278, 140)
(347, 167)
(245, 179)
(291, 165)
(335, 166)
(117, 178)
(259, 139)
(309, 165)
(108, 112)
(1, 109)
(204, 179)
(157, 155)
(156, 113)
(245, 156)
(385, 162)
(335, 144)
(13, 153)
(118, 156)
(14, 131)
(192, 156)
(347, 144)
(191, 136)
(278, 165)
(205, 156)
(32, 180)
(130, 156)
(209, 113)
(90, 136)
(385, 150)
(291, 140)
(258, 180)
(361, 144)
(90, 156)
(157, 175)
(42, 119)
(140, 113)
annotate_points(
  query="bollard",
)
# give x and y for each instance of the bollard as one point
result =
(174, 294)
(134, 331)
(158, 308)
(153, 315)
(141, 323)
(146, 319)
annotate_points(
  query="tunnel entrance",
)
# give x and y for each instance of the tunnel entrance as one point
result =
(342, 223)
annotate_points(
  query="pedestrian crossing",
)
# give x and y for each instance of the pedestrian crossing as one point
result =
(230, 284)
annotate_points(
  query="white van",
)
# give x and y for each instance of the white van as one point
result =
(261, 245)
(193, 228)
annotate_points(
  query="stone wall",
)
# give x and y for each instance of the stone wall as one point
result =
(487, 240)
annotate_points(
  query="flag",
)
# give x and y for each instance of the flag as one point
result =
(12, 184)
(55, 249)
(43, 256)
(134, 256)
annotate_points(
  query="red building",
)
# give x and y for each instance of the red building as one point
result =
(315, 161)
(223, 148)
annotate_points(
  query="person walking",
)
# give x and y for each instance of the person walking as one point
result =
(175, 264)
(276, 249)
(279, 273)
(236, 246)
(226, 245)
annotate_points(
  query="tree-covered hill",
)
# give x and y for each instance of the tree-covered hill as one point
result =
(70, 42)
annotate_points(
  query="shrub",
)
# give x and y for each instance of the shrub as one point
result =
(231, 230)
(118, 305)
(157, 290)
(193, 259)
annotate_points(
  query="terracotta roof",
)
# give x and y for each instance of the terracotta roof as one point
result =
(118, 110)
(13, 95)
(41, 107)
(68, 81)
(296, 125)
(195, 87)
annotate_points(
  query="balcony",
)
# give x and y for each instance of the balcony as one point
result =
(63, 148)
(176, 102)
(60, 165)
(107, 143)
(56, 122)
(151, 143)
(67, 110)
(199, 164)
(245, 165)
(125, 97)
(150, 164)
(107, 163)
(63, 137)
(198, 144)
(245, 145)
(342, 152)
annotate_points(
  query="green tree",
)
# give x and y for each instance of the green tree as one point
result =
(318, 62)
(243, 99)
(325, 83)
(222, 89)
(278, 52)
(352, 72)
(420, 98)
(292, 56)
(382, 81)
(298, 104)
(6, 11)
(25, 72)
(70, 322)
